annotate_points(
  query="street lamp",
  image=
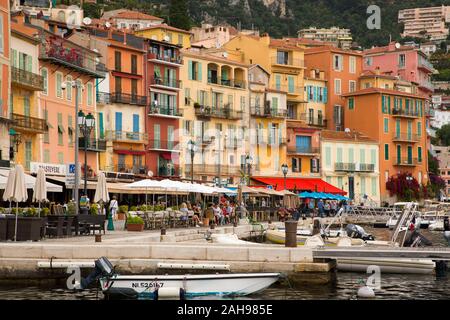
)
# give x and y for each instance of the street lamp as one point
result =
(16, 140)
(192, 147)
(284, 169)
(86, 124)
(249, 162)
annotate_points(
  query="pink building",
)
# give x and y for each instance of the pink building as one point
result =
(407, 62)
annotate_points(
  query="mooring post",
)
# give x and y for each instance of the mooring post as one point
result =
(291, 233)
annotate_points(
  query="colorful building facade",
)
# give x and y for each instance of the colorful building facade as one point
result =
(166, 33)
(4, 82)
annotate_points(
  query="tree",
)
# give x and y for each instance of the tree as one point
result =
(433, 164)
(404, 186)
(91, 10)
(179, 15)
(444, 135)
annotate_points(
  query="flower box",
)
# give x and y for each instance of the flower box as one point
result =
(135, 227)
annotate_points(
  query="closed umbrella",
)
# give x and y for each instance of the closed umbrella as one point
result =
(19, 192)
(9, 189)
(102, 196)
(40, 188)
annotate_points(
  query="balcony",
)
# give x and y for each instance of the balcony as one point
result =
(126, 136)
(26, 79)
(222, 113)
(204, 140)
(427, 85)
(405, 137)
(165, 82)
(124, 172)
(92, 144)
(425, 65)
(291, 63)
(294, 150)
(65, 53)
(430, 112)
(313, 121)
(128, 98)
(29, 124)
(354, 167)
(405, 113)
(103, 98)
(163, 145)
(267, 112)
(210, 169)
(157, 57)
(164, 111)
(240, 84)
(290, 90)
(405, 162)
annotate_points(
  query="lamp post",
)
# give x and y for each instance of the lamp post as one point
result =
(249, 162)
(16, 140)
(284, 169)
(86, 125)
(192, 147)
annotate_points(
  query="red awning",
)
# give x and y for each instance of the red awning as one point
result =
(134, 152)
(300, 184)
(166, 156)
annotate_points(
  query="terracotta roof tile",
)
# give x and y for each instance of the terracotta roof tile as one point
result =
(165, 27)
(135, 15)
(381, 90)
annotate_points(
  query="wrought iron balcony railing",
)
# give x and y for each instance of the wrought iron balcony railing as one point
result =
(207, 169)
(126, 136)
(27, 79)
(164, 110)
(354, 167)
(223, 113)
(118, 97)
(302, 150)
(163, 145)
(289, 62)
(166, 82)
(407, 161)
(157, 56)
(92, 144)
(406, 137)
(405, 113)
(268, 112)
(26, 123)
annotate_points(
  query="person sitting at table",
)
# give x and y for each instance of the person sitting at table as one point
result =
(283, 214)
(196, 216)
(263, 202)
(217, 213)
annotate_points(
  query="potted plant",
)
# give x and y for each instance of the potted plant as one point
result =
(135, 224)
(197, 105)
(133, 208)
(45, 212)
(93, 209)
(71, 208)
(121, 214)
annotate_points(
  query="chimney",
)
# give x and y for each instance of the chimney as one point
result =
(265, 38)
(377, 71)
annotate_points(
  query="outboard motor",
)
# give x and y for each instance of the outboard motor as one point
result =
(447, 230)
(416, 239)
(355, 231)
(103, 267)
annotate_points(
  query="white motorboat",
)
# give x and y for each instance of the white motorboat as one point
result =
(188, 286)
(436, 226)
(410, 266)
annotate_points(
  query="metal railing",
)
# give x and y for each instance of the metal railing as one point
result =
(165, 110)
(354, 167)
(406, 161)
(126, 136)
(163, 145)
(208, 169)
(158, 56)
(223, 113)
(166, 82)
(290, 62)
(410, 137)
(294, 90)
(168, 171)
(29, 123)
(92, 144)
(313, 121)
(126, 98)
(111, 171)
(424, 63)
(27, 79)
(267, 111)
(301, 149)
(405, 113)
(241, 84)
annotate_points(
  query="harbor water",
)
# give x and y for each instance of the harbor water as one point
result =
(344, 285)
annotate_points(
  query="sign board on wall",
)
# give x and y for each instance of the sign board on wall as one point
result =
(70, 175)
(49, 168)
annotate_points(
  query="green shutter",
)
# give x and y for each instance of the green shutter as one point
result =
(362, 155)
(389, 104)
(277, 81)
(190, 70)
(350, 155)
(373, 157)
(199, 72)
(328, 156)
(419, 154)
(386, 125)
(383, 104)
(101, 127)
(386, 152)
(339, 155)
(419, 129)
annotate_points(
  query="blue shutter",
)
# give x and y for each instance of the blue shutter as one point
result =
(135, 123)
(325, 95)
(118, 121)
(102, 129)
(315, 94)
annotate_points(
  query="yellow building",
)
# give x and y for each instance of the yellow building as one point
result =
(163, 32)
(27, 119)
(215, 100)
(374, 79)
(267, 124)
(350, 162)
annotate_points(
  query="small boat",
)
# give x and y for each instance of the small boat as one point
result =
(188, 286)
(279, 237)
(229, 238)
(410, 266)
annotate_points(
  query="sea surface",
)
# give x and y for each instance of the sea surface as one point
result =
(344, 285)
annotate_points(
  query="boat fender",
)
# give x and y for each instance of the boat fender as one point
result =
(366, 292)
(170, 293)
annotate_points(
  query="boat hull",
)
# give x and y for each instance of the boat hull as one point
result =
(239, 284)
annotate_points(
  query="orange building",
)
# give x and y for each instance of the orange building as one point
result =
(4, 82)
(342, 69)
(396, 120)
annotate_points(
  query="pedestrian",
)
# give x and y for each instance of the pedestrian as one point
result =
(447, 230)
(327, 208)
(333, 207)
(113, 207)
(320, 206)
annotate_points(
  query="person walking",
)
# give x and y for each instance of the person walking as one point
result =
(320, 206)
(447, 230)
(113, 207)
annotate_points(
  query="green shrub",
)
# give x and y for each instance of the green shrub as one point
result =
(45, 212)
(93, 209)
(18, 212)
(2, 210)
(135, 220)
(30, 212)
(71, 208)
(123, 209)
(133, 208)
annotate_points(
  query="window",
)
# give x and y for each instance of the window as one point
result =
(117, 61)
(351, 86)
(386, 125)
(59, 79)
(368, 61)
(419, 129)
(338, 63)
(419, 154)
(386, 104)
(195, 70)
(47, 156)
(337, 86)
(60, 130)
(180, 39)
(134, 64)
(61, 157)
(69, 88)
(44, 74)
(187, 96)
(28, 151)
(401, 60)
(118, 84)
(89, 94)
(386, 151)
(351, 103)
(282, 57)
(352, 64)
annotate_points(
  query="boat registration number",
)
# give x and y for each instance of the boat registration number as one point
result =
(147, 284)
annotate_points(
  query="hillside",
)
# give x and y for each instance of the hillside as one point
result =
(285, 17)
